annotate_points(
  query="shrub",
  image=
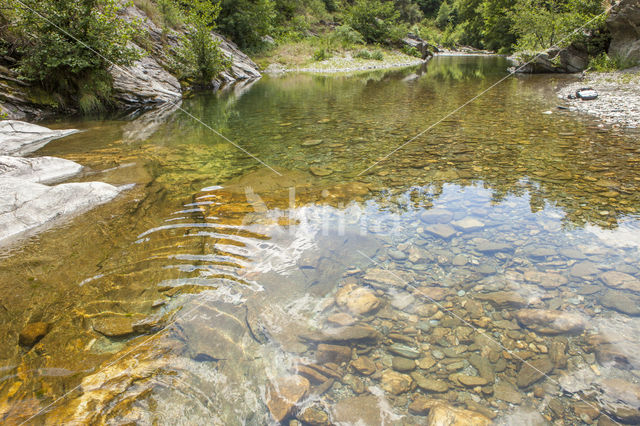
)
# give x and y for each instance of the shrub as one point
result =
(377, 55)
(171, 14)
(362, 54)
(606, 63)
(377, 21)
(246, 21)
(411, 51)
(321, 54)
(65, 62)
(200, 58)
(347, 36)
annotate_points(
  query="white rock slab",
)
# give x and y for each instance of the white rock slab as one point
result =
(26, 205)
(39, 169)
(19, 138)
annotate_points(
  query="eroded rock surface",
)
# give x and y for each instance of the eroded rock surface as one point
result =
(26, 205)
(39, 170)
(624, 25)
(20, 138)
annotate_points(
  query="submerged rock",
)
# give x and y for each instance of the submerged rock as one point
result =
(534, 370)
(284, 393)
(359, 300)
(441, 230)
(621, 301)
(546, 321)
(395, 383)
(386, 278)
(620, 280)
(359, 410)
(364, 365)
(446, 415)
(353, 333)
(545, 279)
(434, 216)
(333, 353)
(503, 299)
(113, 326)
(32, 333)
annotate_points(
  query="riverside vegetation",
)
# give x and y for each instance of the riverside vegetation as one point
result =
(57, 56)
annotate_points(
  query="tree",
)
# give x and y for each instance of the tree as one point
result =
(246, 21)
(377, 21)
(200, 58)
(540, 24)
(444, 15)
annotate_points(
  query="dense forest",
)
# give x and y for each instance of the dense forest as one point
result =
(53, 43)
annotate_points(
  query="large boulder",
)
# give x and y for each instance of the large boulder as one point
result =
(572, 59)
(426, 50)
(624, 25)
(27, 205)
(38, 169)
(20, 138)
(145, 82)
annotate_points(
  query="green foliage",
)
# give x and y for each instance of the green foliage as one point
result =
(376, 20)
(347, 36)
(411, 51)
(246, 21)
(170, 13)
(606, 63)
(321, 54)
(59, 52)
(445, 15)
(376, 55)
(200, 59)
(540, 24)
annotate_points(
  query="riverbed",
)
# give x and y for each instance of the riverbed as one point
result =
(334, 269)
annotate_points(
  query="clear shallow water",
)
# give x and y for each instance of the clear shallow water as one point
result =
(500, 245)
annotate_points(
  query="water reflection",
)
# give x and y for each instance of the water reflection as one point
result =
(489, 268)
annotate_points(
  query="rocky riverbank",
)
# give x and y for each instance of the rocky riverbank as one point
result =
(348, 64)
(618, 101)
(28, 197)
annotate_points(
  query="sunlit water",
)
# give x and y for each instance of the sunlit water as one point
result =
(189, 298)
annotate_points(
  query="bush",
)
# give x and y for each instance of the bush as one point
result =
(171, 14)
(377, 55)
(362, 54)
(411, 51)
(347, 36)
(321, 54)
(246, 21)
(606, 63)
(200, 59)
(377, 21)
(65, 62)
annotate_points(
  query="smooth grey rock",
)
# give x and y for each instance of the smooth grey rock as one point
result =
(144, 82)
(38, 169)
(20, 138)
(571, 59)
(624, 25)
(621, 301)
(27, 205)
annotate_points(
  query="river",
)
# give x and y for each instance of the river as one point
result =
(327, 258)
